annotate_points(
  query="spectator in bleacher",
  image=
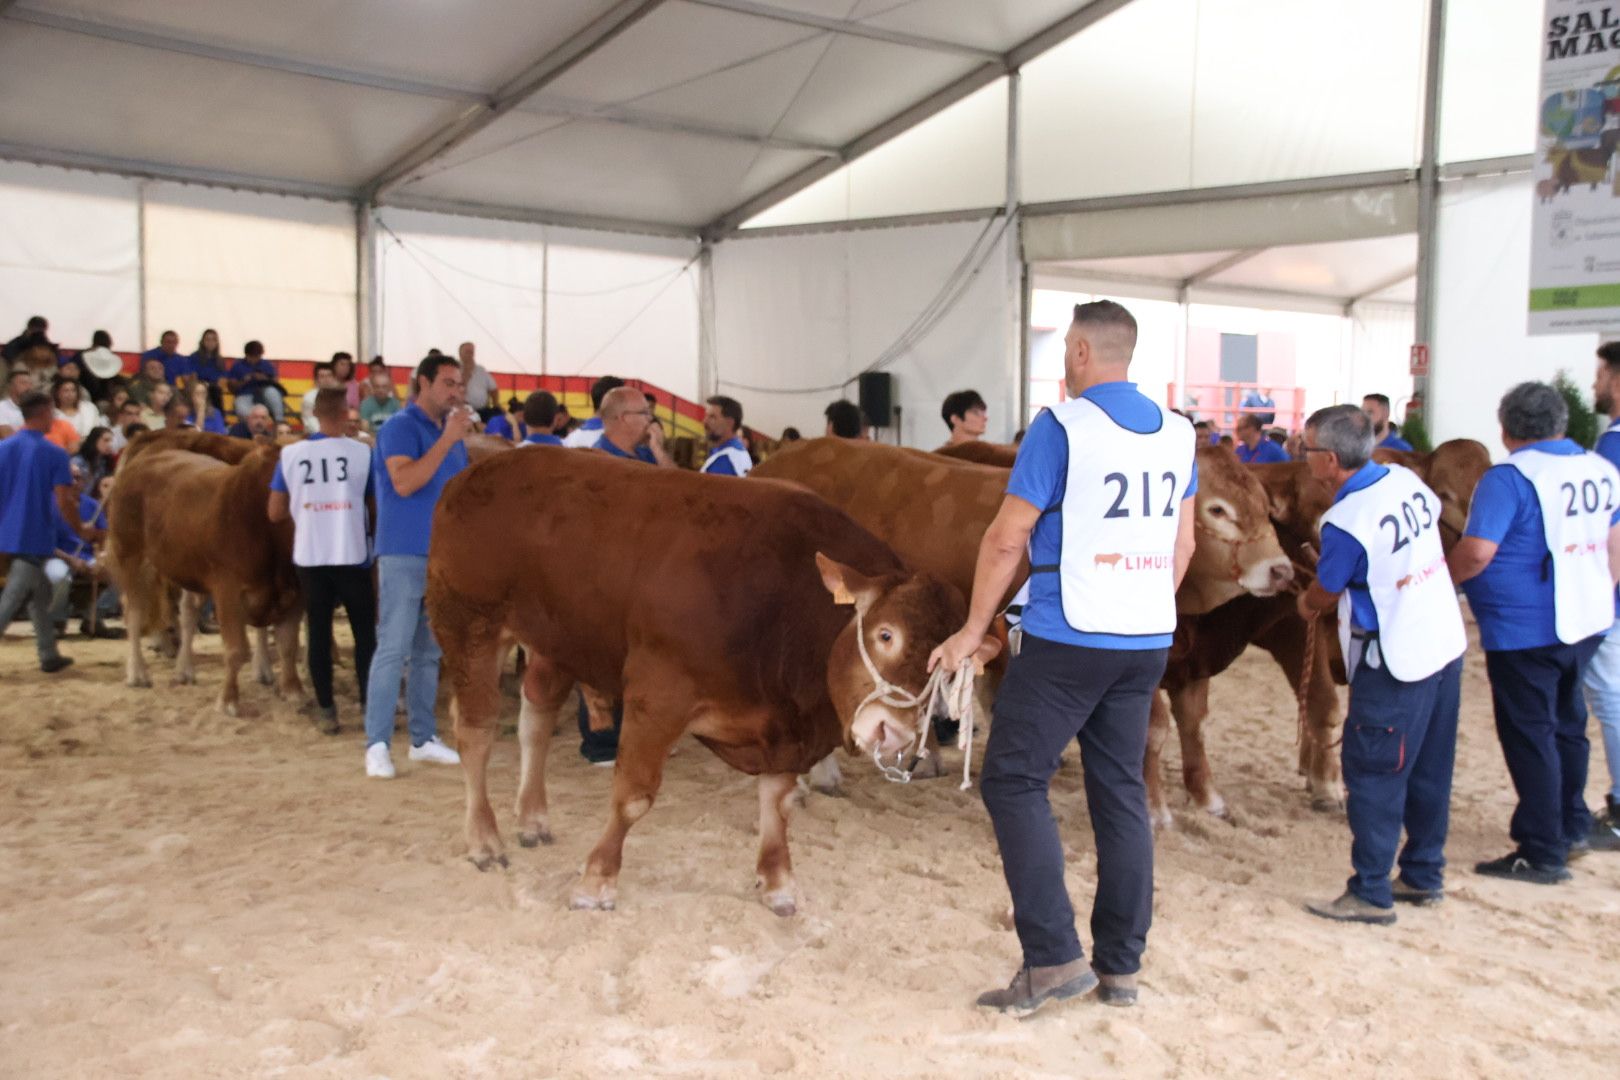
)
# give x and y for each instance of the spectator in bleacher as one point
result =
(19, 381)
(382, 402)
(325, 379)
(95, 457)
(35, 333)
(629, 429)
(590, 432)
(177, 412)
(175, 366)
(1204, 434)
(722, 423)
(157, 406)
(965, 415)
(539, 417)
(75, 558)
(790, 434)
(844, 420)
(508, 425)
(103, 369)
(34, 475)
(68, 397)
(113, 405)
(1261, 399)
(482, 393)
(257, 424)
(563, 424)
(67, 367)
(210, 368)
(418, 451)
(204, 416)
(1376, 406)
(343, 370)
(129, 414)
(134, 431)
(253, 381)
(150, 378)
(1252, 447)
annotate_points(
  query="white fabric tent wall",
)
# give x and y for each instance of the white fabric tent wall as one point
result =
(1380, 353)
(798, 315)
(69, 250)
(1481, 347)
(618, 304)
(282, 270)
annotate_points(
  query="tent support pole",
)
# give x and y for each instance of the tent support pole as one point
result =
(1429, 202)
(365, 284)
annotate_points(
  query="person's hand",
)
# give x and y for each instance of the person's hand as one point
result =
(955, 650)
(78, 565)
(459, 424)
(655, 435)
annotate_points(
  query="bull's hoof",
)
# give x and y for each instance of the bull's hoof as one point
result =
(536, 837)
(1216, 807)
(138, 682)
(291, 691)
(781, 903)
(485, 861)
(927, 768)
(1327, 804)
(185, 678)
(600, 897)
(265, 678)
(1161, 818)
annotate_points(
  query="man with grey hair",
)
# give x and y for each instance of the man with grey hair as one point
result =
(1402, 637)
(1538, 562)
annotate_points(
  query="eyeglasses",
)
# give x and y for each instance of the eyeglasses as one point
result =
(1316, 450)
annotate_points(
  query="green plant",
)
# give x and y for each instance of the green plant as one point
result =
(1583, 425)
(1416, 432)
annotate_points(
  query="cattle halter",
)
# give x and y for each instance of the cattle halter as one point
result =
(954, 689)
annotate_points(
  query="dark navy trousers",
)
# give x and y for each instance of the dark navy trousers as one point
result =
(1541, 722)
(1400, 744)
(1053, 694)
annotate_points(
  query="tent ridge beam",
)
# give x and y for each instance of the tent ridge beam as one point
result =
(1225, 193)
(649, 121)
(935, 103)
(1220, 266)
(129, 35)
(560, 218)
(850, 28)
(544, 71)
(152, 170)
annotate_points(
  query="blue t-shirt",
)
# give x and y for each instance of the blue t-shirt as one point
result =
(1608, 448)
(1040, 476)
(543, 438)
(499, 425)
(641, 454)
(244, 369)
(31, 469)
(214, 423)
(405, 523)
(175, 366)
(1393, 441)
(1342, 563)
(206, 369)
(1513, 598)
(722, 465)
(1264, 451)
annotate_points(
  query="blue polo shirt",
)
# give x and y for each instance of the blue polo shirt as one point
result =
(1342, 563)
(542, 438)
(641, 454)
(1393, 441)
(31, 469)
(1040, 474)
(1264, 451)
(1512, 598)
(244, 369)
(499, 425)
(405, 523)
(206, 369)
(174, 366)
(1608, 448)
(722, 466)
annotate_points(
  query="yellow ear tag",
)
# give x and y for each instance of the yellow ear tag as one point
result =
(842, 595)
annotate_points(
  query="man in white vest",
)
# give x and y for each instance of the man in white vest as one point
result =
(1538, 562)
(722, 422)
(1101, 498)
(323, 484)
(1603, 675)
(1402, 637)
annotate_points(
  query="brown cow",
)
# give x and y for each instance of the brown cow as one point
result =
(184, 519)
(980, 452)
(702, 602)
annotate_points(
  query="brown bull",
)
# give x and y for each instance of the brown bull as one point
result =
(182, 519)
(1208, 644)
(702, 602)
(1001, 455)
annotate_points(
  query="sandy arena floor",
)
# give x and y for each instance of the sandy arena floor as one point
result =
(189, 895)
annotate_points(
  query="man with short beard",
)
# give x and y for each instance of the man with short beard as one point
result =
(1603, 675)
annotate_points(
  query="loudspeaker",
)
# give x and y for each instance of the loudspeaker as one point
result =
(877, 398)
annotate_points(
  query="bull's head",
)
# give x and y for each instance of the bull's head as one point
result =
(1237, 549)
(877, 672)
(1452, 471)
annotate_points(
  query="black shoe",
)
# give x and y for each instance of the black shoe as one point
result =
(1117, 990)
(326, 720)
(1515, 867)
(1406, 894)
(55, 664)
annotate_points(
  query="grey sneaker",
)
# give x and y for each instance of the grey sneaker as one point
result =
(1407, 894)
(1351, 908)
(1033, 987)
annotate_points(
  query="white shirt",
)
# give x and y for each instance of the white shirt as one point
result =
(86, 418)
(10, 415)
(481, 388)
(326, 481)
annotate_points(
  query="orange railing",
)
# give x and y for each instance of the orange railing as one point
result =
(1221, 403)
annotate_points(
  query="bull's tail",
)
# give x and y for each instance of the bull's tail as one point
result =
(146, 594)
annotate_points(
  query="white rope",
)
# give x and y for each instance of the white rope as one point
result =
(952, 688)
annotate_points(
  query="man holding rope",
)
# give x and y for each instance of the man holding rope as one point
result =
(1101, 497)
(1402, 637)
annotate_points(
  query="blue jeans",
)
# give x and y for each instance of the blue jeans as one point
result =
(1603, 698)
(1400, 743)
(402, 633)
(260, 394)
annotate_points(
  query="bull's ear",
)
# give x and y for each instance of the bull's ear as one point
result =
(848, 586)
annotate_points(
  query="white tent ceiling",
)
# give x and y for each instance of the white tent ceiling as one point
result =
(660, 115)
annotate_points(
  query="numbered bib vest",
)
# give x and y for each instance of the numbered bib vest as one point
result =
(326, 492)
(740, 461)
(1121, 512)
(1577, 494)
(1396, 520)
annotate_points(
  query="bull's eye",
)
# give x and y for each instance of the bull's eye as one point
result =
(1218, 511)
(886, 636)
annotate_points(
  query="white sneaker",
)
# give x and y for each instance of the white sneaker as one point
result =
(379, 762)
(435, 751)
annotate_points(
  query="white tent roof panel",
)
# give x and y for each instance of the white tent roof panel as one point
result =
(994, 26)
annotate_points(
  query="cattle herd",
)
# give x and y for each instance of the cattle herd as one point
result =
(757, 615)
